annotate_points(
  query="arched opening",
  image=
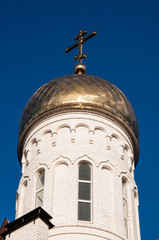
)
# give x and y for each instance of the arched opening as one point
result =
(84, 192)
(40, 189)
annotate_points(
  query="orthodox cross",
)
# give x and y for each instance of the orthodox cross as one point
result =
(80, 40)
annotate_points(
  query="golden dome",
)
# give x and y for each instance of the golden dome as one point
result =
(79, 92)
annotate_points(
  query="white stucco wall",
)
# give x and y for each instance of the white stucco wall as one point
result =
(58, 144)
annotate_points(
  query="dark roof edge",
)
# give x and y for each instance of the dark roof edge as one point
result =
(23, 220)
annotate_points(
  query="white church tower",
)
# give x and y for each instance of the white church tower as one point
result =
(78, 148)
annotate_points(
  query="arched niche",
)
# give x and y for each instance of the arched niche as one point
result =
(63, 135)
(82, 134)
(60, 193)
(21, 200)
(107, 196)
(33, 147)
(47, 140)
(126, 151)
(115, 143)
(99, 138)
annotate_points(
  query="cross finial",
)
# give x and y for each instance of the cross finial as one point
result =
(80, 68)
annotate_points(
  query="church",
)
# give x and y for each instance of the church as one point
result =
(78, 148)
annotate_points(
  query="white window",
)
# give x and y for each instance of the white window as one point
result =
(84, 192)
(125, 206)
(40, 189)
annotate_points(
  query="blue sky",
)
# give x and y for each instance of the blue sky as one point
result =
(34, 35)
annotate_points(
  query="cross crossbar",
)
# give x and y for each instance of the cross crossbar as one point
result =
(80, 40)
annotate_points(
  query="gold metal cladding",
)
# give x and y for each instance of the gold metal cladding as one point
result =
(79, 92)
(77, 89)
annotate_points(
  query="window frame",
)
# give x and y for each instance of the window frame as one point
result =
(39, 189)
(84, 200)
(125, 206)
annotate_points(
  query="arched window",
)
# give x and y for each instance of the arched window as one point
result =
(125, 206)
(84, 192)
(40, 189)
